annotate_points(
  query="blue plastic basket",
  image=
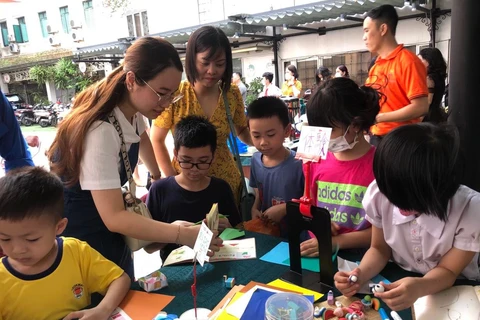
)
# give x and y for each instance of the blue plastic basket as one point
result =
(242, 147)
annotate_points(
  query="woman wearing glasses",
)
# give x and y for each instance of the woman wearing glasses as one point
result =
(208, 65)
(86, 152)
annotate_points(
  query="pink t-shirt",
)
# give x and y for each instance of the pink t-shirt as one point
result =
(419, 243)
(339, 187)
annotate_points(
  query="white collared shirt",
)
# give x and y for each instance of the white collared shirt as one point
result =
(100, 165)
(273, 90)
(419, 243)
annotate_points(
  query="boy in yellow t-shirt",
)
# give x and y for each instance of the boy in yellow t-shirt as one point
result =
(44, 276)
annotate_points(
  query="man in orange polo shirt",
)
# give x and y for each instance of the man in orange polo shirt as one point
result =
(397, 73)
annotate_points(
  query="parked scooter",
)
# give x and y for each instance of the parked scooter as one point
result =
(25, 117)
(51, 120)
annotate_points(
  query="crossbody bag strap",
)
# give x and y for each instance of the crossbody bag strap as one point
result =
(123, 148)
(233, 143)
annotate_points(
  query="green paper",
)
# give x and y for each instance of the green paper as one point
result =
(230, 234)
(311, 264)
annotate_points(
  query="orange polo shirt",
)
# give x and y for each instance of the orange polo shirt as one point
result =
(401, 77)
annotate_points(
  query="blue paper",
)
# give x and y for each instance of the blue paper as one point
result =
(256, 306)
(281, 255)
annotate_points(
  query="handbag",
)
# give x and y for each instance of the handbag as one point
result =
(246, 199)
(132, 203)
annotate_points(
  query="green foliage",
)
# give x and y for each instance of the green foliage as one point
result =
(42, 74)
(64, 74)
(39, 97)
(254, 89)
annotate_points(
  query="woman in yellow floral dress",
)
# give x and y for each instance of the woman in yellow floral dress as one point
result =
(208, 65)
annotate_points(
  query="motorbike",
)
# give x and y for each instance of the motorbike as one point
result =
(25, 117)
(51, 120)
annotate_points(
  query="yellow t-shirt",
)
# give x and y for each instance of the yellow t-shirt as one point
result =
(223, 167)
(77, 272)
(287, 90)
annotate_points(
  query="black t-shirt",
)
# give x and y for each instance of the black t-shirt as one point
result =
(168, 201)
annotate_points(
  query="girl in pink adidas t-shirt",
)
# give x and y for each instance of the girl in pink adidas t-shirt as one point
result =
(339, 183)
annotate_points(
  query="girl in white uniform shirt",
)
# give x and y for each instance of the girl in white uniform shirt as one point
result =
(421, 217)
(86, 152)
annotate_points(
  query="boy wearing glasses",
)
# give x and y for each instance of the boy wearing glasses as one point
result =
(190, 195)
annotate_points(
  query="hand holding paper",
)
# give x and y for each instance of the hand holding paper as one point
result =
(202, 244)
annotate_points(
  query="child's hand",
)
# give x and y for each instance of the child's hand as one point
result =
(335, 227)
(275, 213)
(223, 223)
(88, 314)
(400, 294)
(309, 248)
(256, 213)
(344, 285)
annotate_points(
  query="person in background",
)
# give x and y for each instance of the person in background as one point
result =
(275, 174)
(189, 195)
(321, 75)
(269, 89)
(342, 71)
(292, 87)
(433, 59)
(422, 218)
(350, 111)
(13, 148)
(86, 152)
(45, 276)
(237, 80)
(405, 98)
(208, 65)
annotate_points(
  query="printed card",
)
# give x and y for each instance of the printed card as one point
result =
(202, 243)
(313, 143)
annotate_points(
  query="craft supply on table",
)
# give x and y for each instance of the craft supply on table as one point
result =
(383, 314)
(330, 298)
(352, 278)
(395, 315)
(202, 314)
(350, 305)
(229, 282)
(153, 281)
(282, 306)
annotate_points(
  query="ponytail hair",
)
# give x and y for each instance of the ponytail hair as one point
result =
(340, 102)
(146, 58)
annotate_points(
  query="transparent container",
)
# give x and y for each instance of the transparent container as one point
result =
(288, 306)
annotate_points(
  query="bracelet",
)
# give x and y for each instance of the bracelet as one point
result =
(178, 235)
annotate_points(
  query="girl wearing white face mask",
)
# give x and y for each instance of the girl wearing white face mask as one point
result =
(291, 87)
(339, 182)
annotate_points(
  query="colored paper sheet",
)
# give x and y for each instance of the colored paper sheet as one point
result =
(256, 306)
(143, 305)
(292, 287)
(230, 234)
(277, 255)
(224, 315)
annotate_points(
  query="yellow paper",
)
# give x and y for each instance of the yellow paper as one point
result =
(224, 315)
(288, 286)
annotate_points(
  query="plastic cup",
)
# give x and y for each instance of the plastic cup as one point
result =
(288, 306)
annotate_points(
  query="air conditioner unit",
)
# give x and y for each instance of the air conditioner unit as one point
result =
(75, 24)
(14, 48)
(11, 38)
(51, 29)
(53, 40)
(77, 35)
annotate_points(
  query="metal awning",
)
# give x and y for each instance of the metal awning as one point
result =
(114, 47)
(314, 12)
(256, 24)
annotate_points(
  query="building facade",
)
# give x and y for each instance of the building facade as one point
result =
(95, 34)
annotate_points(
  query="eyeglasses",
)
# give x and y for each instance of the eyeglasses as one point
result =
(164, 97)
(199, 165)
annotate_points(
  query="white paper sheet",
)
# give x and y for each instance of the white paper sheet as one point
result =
(145, 263)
